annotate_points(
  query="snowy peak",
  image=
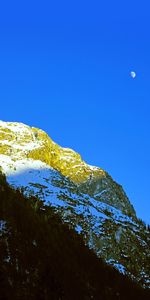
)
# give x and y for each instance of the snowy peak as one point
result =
(19, 141)
(86, 197)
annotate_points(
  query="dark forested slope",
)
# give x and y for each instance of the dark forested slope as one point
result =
(41, 258)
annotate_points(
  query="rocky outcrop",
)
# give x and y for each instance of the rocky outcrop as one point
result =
(86, 197)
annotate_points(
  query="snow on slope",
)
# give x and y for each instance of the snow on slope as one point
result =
(20, 131)
(112, 234)
(37, 178)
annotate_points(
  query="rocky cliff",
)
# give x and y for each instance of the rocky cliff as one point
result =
(85, 196)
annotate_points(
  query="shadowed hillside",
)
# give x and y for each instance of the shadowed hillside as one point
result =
(41, 258)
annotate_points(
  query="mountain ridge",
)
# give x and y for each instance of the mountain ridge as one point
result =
(42, 258)
(65, 160)
(85, 197)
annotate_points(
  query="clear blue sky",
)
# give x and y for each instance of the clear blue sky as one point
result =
(65, 67)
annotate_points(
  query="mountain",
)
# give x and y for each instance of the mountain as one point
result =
(85, 197)
(41, 258)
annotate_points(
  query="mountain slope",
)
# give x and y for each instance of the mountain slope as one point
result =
(41, 258)
(21, 141)
(85, 197)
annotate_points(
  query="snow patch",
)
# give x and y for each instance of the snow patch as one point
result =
(78, 228)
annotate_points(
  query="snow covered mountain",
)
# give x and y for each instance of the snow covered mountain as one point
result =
(85, 196)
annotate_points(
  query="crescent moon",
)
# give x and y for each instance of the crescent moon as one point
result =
(133, 74)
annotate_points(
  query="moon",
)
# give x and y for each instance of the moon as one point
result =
(132, 74)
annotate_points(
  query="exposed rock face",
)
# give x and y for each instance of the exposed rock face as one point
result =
(19, 141)
(85, 196)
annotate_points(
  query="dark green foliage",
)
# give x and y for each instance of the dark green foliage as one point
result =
(42, 259)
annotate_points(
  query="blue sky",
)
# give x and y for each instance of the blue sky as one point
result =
(65, 68)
